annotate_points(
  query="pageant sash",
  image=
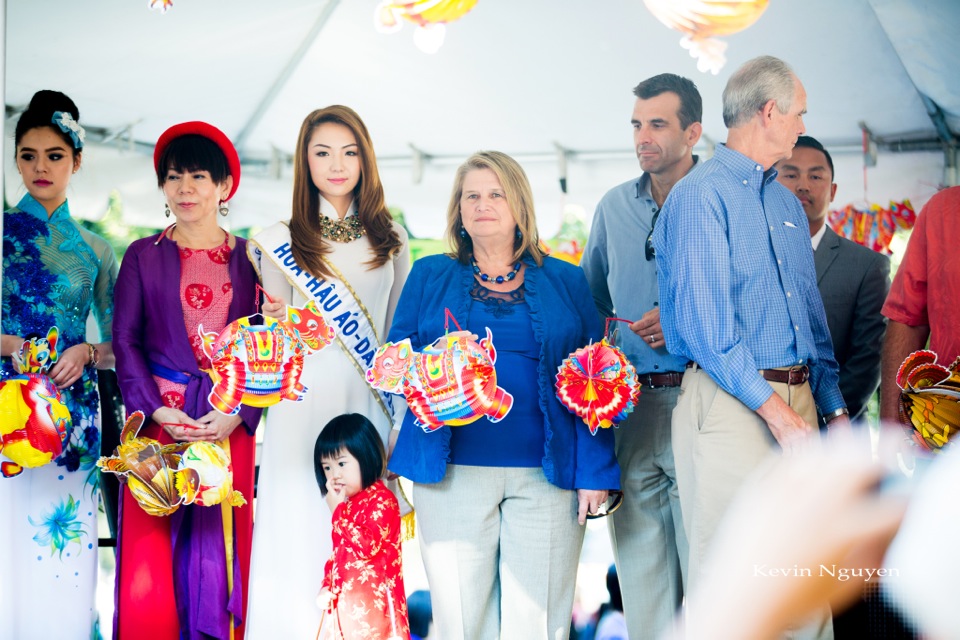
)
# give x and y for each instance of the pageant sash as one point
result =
(336, 301)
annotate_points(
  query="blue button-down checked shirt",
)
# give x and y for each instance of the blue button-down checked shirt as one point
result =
(738, 289)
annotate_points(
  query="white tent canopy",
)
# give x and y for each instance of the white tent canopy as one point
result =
(523, 76)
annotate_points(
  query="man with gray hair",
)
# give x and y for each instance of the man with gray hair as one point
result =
(739, 298)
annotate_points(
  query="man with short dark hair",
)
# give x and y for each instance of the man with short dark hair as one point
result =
(649, 545)
(853, 279)
(739, 298)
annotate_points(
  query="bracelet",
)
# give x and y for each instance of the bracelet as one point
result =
(93, 354)
(842, 411)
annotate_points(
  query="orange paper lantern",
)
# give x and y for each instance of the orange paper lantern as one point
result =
(702, 20)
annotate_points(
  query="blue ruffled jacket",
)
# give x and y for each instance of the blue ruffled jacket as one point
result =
(564, 319)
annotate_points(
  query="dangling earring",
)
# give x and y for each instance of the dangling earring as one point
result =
(166, 209)
(519, 234)
(224, 208)
(463, 232)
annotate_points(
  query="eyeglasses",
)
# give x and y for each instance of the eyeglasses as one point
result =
(651, 252)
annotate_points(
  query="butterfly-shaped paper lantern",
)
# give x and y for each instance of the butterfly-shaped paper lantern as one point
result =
(34, 421)
(930, 399)
(148, 467)
(701, 20)
(259, 364)
(598, 384)
(161, 477)
(451, 385)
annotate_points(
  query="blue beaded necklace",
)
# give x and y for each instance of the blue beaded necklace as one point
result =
(498, 279)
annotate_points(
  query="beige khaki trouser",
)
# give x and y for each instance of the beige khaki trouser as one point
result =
(717, 442)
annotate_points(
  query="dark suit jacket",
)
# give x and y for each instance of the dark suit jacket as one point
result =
(854, 281)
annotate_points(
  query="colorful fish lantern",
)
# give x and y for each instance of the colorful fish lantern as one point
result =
(929, 399)
(453, 385)
(34, 421)
(260, 364)
(161, 477)
(598, 384)
(701, 20)
(429, 16)
(205, 476)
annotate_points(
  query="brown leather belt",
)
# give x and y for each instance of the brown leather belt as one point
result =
(654, 380)
(792, 376)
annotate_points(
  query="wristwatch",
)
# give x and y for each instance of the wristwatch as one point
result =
(842, 411)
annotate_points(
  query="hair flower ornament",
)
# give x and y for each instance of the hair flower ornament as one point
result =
(70, 126)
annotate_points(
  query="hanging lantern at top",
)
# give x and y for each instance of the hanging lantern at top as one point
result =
(428, 15)
(701, 20)
(163, 5)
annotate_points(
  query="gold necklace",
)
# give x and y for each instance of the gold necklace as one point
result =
(346, 230)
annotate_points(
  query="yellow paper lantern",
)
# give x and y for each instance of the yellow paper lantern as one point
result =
(428, 15)
(702, 20)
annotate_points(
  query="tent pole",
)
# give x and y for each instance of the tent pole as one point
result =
(285, 74)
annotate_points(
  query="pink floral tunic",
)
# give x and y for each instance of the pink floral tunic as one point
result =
(365, 571)
(206, 293)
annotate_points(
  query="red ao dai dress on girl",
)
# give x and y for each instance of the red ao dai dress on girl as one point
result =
(365, 572)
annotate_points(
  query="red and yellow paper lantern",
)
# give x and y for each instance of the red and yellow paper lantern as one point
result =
(34, 420)
(598, 384)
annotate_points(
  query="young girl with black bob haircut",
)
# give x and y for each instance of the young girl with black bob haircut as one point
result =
(364, 573)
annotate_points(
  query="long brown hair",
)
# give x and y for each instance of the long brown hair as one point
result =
(308, 245)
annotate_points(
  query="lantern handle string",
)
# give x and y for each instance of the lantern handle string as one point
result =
(447, 317)
(606, 327)
(266, 295)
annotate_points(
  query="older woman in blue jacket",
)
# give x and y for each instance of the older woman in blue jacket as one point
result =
(500, 505)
